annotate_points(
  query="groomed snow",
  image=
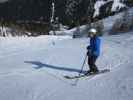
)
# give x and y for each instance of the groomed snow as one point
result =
(33, 69)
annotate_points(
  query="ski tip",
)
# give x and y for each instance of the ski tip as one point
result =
(66, 77)
(71, 77)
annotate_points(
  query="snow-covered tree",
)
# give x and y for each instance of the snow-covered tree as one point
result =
(52, 12)
(97, 7)
(115, 6)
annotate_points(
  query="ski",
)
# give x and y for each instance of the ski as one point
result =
(89, 74)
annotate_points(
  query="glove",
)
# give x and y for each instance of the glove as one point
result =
(89, 53)
(88, 48)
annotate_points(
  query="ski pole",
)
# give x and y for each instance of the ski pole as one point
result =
(83, 65)
(76, 81)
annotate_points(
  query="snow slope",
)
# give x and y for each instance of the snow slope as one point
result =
(108, 22)
(33, 69)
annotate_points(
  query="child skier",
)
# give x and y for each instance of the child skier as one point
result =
(93, 51)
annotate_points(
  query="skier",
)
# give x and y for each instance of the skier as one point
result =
(93, 51)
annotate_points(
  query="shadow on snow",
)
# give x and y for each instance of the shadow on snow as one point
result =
(40, 65)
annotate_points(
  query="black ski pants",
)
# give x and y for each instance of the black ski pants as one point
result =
(91, 63)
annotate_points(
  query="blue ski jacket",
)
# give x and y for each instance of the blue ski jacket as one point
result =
(94, 47)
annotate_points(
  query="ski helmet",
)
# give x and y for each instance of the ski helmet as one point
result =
(93, 31)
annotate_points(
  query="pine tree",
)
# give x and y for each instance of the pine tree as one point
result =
(90, 9)
(71, 8)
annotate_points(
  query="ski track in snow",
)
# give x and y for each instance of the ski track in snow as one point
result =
(34, 70)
